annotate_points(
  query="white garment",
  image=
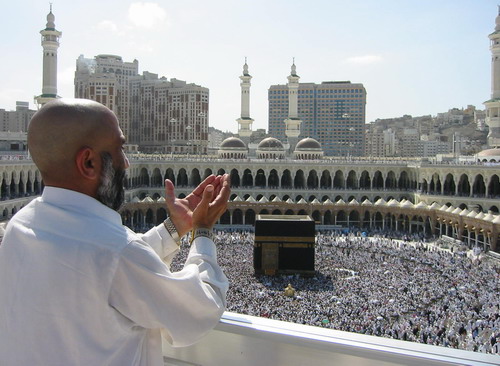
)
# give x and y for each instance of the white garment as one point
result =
(79, 288)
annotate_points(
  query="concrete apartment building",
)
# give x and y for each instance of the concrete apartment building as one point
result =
(379, 142)
(332, 112)
(18, 120)
(156, 114)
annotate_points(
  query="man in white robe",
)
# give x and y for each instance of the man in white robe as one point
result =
(78, 287)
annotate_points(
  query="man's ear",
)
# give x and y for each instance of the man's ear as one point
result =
(88, 163)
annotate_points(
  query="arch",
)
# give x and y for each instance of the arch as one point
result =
(247, 180)
(316, 217)
(338, 180)
(352, 180)
(364, 180)
(299, 181)
(169, 174)
(182, 178)
(354, 219)
(378, 180)
(260, 179)
(144, 177)
(449, 187)
(327, 218)
(149, 218)
(326, 180)
(273, 181)
(161, 215)
(286, 179)
(208, 172)
(225, 219)
(494, 186)
(195, 178)
(312, 180)
(156, 180)
(341, 218)
(221, 171)
(235, 178)
(390, 180)
(404, 180)
(250, 217)
(276, 212)
(237, 217)
(479, 188)
(463, 188)
(378, 220)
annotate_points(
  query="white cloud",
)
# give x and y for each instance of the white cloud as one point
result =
(107, 25)
(146, 15)
(365, 59)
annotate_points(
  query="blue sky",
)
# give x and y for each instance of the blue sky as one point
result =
(414, 57)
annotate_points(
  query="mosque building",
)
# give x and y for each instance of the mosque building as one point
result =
(459, 199)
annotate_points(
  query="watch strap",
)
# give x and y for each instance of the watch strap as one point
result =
(207, 233)
(169, 225)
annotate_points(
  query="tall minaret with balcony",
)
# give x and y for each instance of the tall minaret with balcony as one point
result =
(50, 44)
(245, 122)
(293, 121)
(493, 105)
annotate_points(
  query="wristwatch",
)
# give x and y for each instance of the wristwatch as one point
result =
(208, 233)
(169, 225)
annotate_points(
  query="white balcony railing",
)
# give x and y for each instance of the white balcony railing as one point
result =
(251, 341)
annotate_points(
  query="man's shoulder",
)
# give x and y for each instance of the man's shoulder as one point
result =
(52, 223)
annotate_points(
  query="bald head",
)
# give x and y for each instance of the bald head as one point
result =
(60, 129)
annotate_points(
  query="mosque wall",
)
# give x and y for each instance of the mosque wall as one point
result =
(337, 193)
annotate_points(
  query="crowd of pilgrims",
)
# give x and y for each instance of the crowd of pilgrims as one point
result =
(376, 285)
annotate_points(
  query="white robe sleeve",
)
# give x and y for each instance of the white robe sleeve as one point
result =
(185, 305)
(162, 243)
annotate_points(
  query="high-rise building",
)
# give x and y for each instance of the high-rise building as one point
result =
(168, 116)
(332, 112)
(106, 79)
(50, 44)
(156, 114)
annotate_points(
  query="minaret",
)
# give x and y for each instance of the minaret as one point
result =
(50, 44)
(293, 122)
(245, 122)
(493, 105)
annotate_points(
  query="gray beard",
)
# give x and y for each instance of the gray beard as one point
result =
(111, 192)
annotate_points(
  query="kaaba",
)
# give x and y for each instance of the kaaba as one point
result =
(284, 244)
